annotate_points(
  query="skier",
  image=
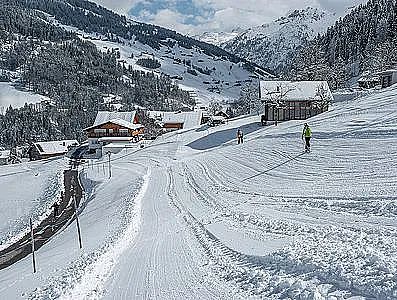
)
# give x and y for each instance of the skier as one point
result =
(240, 136)
(55, 206)
(263, 120)
(307, 134)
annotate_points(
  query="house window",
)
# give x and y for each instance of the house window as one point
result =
(110, 130)
(99, 130)
(123, 131)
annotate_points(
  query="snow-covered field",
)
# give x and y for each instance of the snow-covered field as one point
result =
(27, 190)
(11, 96)
(195, 216)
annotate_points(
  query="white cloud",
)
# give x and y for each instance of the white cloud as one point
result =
(226, 14)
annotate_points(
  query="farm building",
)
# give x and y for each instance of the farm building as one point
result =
(43, 150)
(368, 81)
(171, 121)
(113, 127)
(287, 100)
(388, 78)
(5, 157)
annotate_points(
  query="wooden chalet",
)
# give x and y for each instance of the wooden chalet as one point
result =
(368, 81)
(171, 121)
(286, 100)
(113, 127)
(44, 150)
(114, 130)
(388, 78)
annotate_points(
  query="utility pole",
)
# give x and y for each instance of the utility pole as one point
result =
(32, 238)
(77, 221)
(73, 195)
(110, 167)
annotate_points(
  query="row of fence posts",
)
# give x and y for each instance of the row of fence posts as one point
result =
(91, 165)
(73, 195)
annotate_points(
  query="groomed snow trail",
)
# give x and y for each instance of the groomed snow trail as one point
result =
(162, 262)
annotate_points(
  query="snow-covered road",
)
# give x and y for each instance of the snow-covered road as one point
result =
(195, 216)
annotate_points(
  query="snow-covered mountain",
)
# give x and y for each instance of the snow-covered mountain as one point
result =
(218, 38)
(271, 45)
(142, 65)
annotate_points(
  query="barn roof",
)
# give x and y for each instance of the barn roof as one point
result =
(189, 119)
(5, 153)
(119, 122)
(104, 116)
(387, 72)
(54, 147)
(295, 90)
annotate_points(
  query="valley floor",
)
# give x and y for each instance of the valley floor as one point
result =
(196, 216)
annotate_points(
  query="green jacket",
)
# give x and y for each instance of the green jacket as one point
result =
(307, 132)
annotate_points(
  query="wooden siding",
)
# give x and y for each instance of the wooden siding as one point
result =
(113, 130)
(292, 110)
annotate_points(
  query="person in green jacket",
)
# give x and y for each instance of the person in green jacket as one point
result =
(307, 134)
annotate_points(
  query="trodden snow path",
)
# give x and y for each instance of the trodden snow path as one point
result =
(91, 284)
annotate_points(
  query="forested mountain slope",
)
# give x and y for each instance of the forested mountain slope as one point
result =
(272, 45)
(45, 49)
(364, 40)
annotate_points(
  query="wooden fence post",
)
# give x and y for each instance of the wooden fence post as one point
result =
(32, 237)
(77, 221)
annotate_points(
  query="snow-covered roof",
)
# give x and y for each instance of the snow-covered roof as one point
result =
(5, 154)
(368, 78)
(105, 116)
(387, 72)
(218, 118)
(119, 122)
(294, 90)
(189, 119)
(54, 147)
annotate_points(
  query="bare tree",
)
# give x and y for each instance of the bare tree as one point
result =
(249, 98)
(323, 99)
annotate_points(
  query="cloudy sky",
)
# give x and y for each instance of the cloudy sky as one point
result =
(197, 16)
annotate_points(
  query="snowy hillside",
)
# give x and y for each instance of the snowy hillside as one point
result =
(218, 38)
(16, 98)
(272, 45)
(209, 78)
(196, 216)
(85, 58)
(27, 190)
(209, 72)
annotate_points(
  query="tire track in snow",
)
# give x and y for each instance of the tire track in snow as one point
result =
(95, 273)
(254, 276)
(91, 285)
